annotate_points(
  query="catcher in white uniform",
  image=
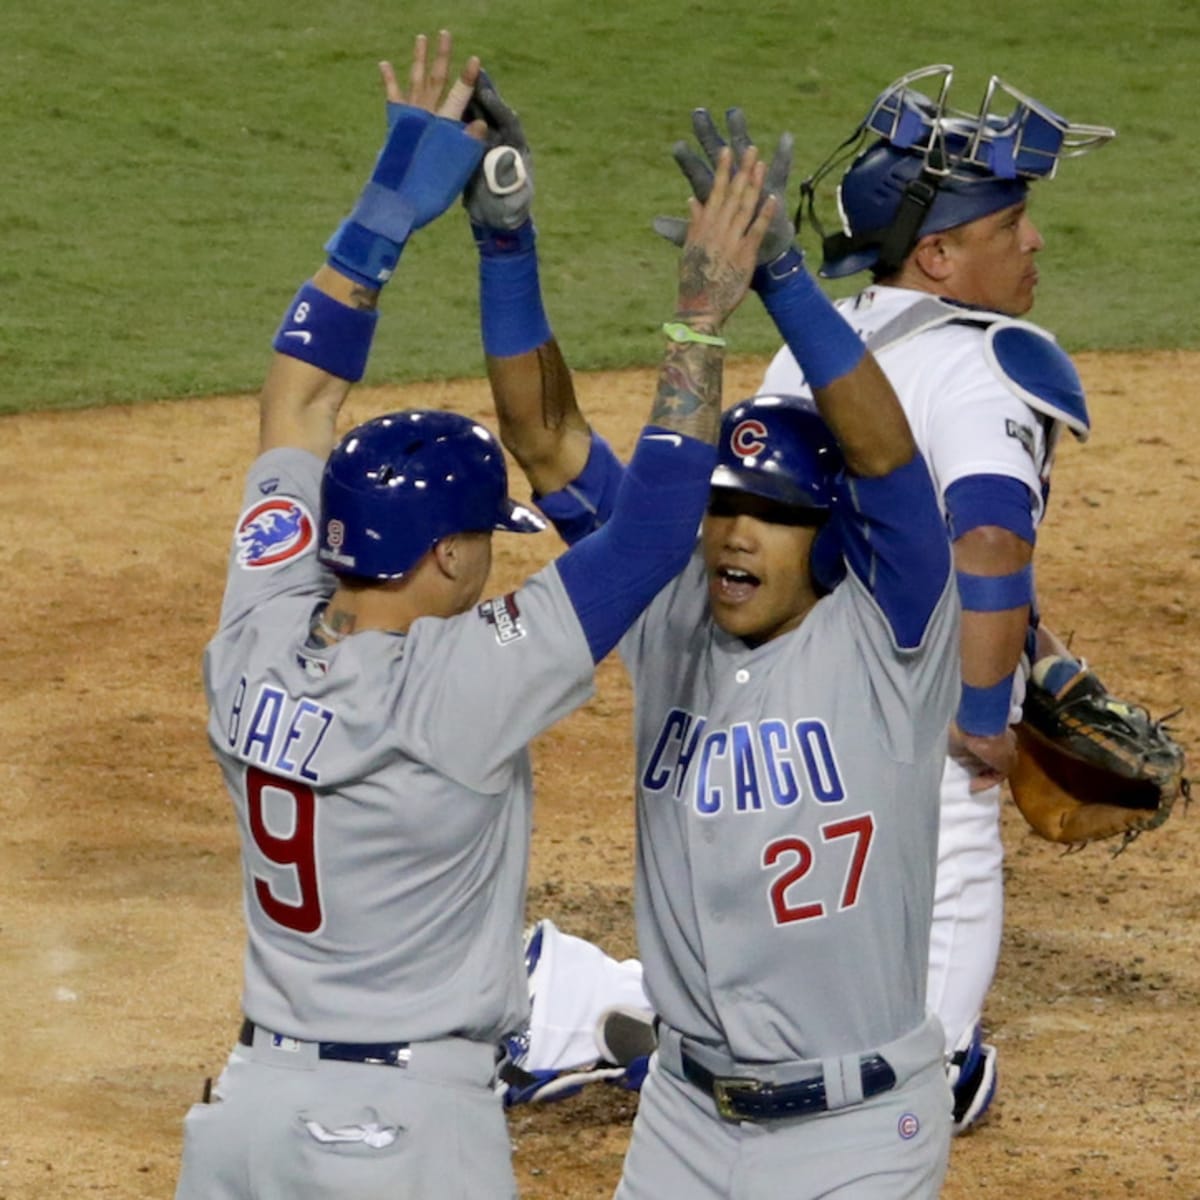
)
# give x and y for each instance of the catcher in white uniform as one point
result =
(371, 718)
(794, 688)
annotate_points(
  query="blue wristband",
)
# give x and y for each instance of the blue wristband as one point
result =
(983, 712)
(329, 335)
(820, 339)
(511, 314)
(995, 593)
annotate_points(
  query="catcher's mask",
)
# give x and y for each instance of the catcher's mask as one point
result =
(396, 485)
(931, 167)
(779, 448)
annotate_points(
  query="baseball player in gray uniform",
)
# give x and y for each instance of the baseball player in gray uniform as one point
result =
(934, 202)
(382, 792)
(794, 686)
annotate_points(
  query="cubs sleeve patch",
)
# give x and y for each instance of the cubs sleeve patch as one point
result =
(503, 615)
(272, 532)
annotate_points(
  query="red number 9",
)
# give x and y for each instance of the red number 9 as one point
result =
(297, 851)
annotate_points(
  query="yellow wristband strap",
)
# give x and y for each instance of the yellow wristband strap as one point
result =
(677, 331)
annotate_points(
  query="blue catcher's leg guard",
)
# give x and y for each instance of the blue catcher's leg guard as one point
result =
(971, 1071)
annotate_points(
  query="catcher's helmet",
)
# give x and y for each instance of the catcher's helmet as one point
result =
(779, 448)
(396, 485)
(875, 187)
(932, 167)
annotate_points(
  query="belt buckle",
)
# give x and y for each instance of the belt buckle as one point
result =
(725, 1092)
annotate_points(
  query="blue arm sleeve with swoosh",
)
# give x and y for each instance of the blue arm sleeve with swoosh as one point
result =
(614, 572)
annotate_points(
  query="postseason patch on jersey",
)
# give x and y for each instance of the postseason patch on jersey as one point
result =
(1023, 434)
(504, 617)
(272, 532)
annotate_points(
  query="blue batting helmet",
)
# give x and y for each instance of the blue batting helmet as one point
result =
(779, 448)
(932, 167)
(396, 485)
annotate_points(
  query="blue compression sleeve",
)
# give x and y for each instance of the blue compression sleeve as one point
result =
(511, 314)
(612, 574)
(816, 333)
(997, 500)
(895, 541)
(587, 501)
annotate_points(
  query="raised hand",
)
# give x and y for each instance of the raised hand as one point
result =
(699, 172)
(427, 85)
(424, 165)
(723, 240)
(500, 193)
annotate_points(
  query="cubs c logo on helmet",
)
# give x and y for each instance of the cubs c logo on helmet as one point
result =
(272, 532)
(748, 438)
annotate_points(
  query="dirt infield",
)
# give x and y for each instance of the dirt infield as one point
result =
(120, 924)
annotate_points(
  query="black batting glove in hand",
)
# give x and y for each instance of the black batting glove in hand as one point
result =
(500, 193)
(781, 234)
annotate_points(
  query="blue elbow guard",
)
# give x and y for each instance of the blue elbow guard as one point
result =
(996, 593)
(587, 501)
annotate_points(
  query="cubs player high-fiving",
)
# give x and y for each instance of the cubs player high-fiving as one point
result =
(794, 686)
(935, 204)
(371, 717)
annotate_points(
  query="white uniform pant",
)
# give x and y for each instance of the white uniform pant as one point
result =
(573, 984)
(968, 906)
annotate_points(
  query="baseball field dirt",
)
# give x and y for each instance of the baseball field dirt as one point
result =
(120, 923)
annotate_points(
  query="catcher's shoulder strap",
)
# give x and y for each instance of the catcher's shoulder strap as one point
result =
(1023, 356)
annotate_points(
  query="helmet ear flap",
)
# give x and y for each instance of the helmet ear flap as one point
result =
(826, 564)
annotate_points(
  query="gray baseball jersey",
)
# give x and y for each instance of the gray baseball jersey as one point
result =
(382, 786)
(787, 821)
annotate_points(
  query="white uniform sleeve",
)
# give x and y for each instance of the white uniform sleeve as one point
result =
(783, 377)
(967, 422)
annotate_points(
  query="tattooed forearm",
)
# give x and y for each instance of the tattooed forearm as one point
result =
(689, 391)
(558, 391)
(364, 297)
(707, 287)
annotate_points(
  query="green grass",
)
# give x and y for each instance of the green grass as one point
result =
(172, 171)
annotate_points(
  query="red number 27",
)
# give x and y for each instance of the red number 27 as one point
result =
(297, 851)
(784, 908)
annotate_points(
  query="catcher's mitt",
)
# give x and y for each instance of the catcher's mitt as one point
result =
(1090, 766)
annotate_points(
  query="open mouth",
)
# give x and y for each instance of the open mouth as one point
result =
(732, 585)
